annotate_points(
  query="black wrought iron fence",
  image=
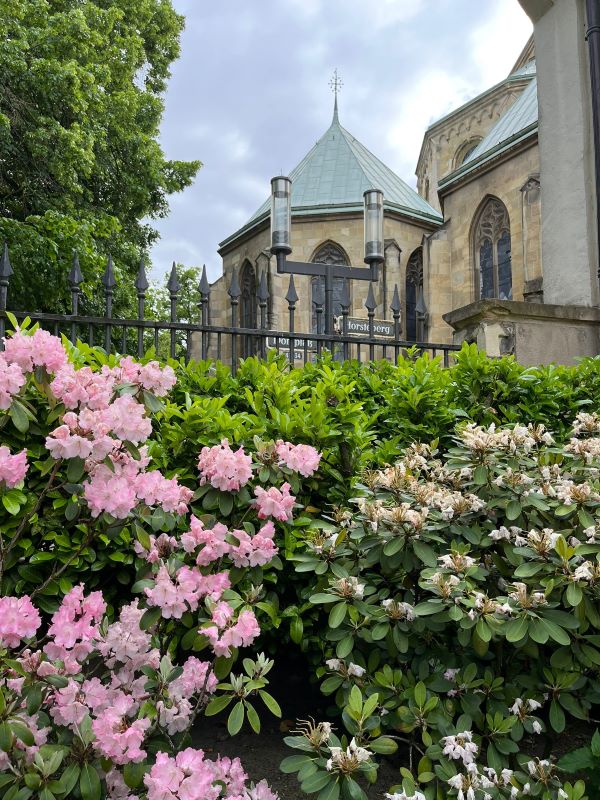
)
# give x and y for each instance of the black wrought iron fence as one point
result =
(353, 338)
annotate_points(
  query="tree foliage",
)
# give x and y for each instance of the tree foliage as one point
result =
(81, 85)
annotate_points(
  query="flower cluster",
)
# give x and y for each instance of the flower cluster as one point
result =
(13, 468)
(93, 683)
(19, 619)
(11, 381)
(300, 458)
(223, 468)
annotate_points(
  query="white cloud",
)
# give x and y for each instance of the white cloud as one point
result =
(497, 43)
(433, 94)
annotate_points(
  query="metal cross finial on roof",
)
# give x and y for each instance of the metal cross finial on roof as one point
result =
(336, 84)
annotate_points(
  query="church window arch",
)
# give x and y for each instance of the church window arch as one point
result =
(492, 251)
(465, 150)
(328, 253)
(413, 294)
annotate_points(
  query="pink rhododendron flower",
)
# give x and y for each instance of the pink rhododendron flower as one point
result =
(189, 776)
(223, 468)
(161, 547)
(41, 349)
(174, 715)
(151, 376)
(261, 791)
(110, 492)
(255, 550)
(125, 644)
(226, 634)
(154, 489)
(70, 706)
(193, 679)
(273, 502)
(128, 420)
(19, 619)
(74, 628)
(63, 444)
(116, 787)
(13, 468)
(117, 737)
(82, 388)
(183, 593)
(301, 458)
(213, 541)
(11, 381)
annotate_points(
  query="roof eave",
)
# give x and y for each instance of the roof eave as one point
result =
(343, 208)
(490, 156)
(511, 79)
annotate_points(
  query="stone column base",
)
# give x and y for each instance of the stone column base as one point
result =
(535, 333)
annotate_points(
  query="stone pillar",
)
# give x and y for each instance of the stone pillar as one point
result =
(437, 284)
(392, 253)
(531, 226)
(569, 246)
(535, 333)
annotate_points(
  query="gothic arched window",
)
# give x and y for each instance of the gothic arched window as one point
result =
(491, 249)
(328, 253)
(247, 305)
(465, 150)
(413, 294)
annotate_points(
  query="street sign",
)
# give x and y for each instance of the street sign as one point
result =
(283, 343)
(382, 328)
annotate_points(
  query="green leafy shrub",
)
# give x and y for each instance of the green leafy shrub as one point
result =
(460, 606)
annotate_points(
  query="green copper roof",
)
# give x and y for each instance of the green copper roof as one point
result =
(519, 122)
(519, 116)
(333, 176)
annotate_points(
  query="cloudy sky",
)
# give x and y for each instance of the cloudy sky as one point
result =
(250, 93)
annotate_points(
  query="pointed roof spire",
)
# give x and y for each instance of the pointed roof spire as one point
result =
(336, 84)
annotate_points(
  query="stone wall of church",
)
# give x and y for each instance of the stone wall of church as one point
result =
(451, 266)
(308, 235)
(447, 142)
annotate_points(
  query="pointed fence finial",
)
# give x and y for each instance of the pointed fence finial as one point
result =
(108, 279)
(292, 294)
(75, 275)
(173, 284)
(234, 290)
(420, 307)
(262, 292)
(141, 282)
(6, 269)
(395, 304)
(204, 284)
(370, 303)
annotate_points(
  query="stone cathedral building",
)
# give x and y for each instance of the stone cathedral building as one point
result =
(467, 245)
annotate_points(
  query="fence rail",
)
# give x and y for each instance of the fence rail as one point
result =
(203, 340)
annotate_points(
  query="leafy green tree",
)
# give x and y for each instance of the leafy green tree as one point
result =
(188, 299)
(81, 99)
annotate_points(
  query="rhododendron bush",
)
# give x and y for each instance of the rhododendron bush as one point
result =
(460, 603)
(95, 696)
